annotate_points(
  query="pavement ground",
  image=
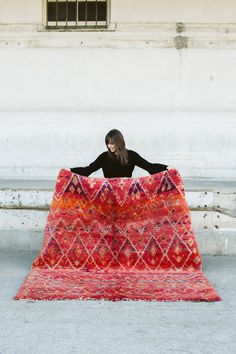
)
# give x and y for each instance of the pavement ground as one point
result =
(123, 327)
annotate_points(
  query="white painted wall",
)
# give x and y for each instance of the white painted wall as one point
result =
(139, 11)
(132, 11)
(174, 107)
(27, 11)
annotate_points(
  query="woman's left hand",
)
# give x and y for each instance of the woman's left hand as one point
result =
(170, 167)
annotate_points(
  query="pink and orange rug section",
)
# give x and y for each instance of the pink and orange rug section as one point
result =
(118, 239)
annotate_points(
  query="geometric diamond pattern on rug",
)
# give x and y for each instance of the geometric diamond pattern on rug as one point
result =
(118, 239)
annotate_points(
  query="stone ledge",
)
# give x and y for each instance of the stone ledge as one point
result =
(212, 242)
(24, 206)
(202, 195)
(35, 220)
(24, 203)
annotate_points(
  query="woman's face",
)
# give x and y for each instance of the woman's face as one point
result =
(111, 146)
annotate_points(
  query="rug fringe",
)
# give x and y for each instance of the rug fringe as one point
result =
(218, 298)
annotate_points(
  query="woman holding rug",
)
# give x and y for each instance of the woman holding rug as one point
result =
(118, 161)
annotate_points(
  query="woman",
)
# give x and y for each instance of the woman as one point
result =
(118, 161)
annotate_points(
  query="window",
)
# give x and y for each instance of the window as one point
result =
(77, 14)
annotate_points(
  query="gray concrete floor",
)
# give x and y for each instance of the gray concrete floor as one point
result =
(124, 327)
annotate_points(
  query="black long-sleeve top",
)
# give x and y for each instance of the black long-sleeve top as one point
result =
(113, 168)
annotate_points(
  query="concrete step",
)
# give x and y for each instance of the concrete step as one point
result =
(24, 207)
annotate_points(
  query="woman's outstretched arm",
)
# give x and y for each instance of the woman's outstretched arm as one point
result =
(148, 166)
(87, 170)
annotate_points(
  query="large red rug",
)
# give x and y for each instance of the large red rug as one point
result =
(118, 239)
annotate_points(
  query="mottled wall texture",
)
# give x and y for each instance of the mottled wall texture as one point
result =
(163, 72)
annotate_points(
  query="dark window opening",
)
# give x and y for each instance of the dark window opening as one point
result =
(76, 14)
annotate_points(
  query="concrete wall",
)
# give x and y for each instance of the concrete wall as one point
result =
(27, 11)
(61, 92)
(173, 107)
(132, 11)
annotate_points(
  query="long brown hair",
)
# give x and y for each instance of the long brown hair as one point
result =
(114, 136)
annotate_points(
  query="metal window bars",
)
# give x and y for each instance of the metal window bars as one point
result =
(72, 14)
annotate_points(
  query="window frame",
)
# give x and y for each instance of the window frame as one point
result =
(87, 28)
